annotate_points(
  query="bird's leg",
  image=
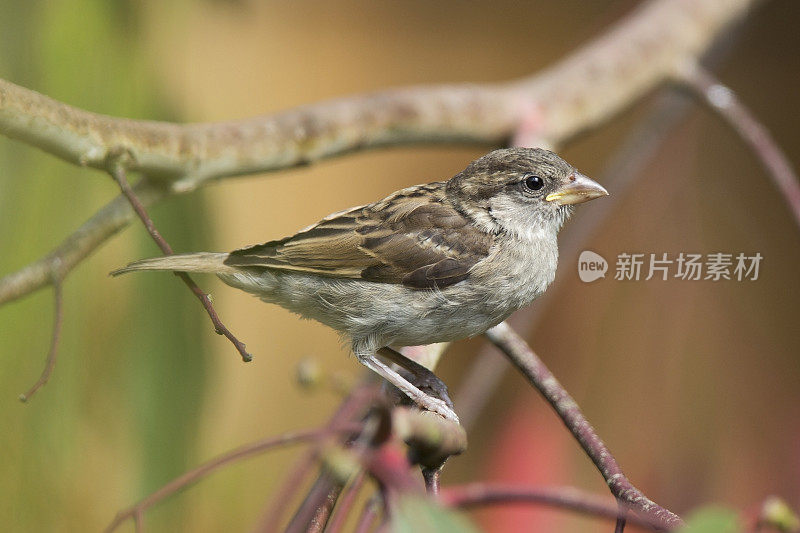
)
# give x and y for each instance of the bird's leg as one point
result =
(425, 401)
(424, 378)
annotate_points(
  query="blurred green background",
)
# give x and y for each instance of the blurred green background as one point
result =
(693, 385)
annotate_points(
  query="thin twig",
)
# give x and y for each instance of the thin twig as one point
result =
(569, 498)
(348, 500)
(622, 518)
(351, 408)
(432, 478)
(757, 137)
(317, 507)
(52, 354)
(368, 515)
(430, 440)
(387, 461)
(118, 172)
(243, 452)
(281, 499)
(520, 354)
(138, 521)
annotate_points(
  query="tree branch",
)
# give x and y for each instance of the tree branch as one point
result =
(757, 137)
(570, 498)
(546, 383)
(576, 94)
(78, 246)
(579, 92)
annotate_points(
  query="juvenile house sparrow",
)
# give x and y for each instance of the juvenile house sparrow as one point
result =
(429, 263)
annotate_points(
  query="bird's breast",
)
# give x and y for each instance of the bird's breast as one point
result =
(517, 271)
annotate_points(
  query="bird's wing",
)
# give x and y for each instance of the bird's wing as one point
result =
(414, 238)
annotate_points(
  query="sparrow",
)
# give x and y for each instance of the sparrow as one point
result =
(429, 263)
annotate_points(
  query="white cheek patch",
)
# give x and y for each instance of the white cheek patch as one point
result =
(527, 220)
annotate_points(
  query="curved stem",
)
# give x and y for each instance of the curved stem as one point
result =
(119, 174)
(727, 105)
(520, 354)
(244, 452)
(569, 498)
(50, 362)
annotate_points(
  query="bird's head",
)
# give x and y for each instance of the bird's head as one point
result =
(521, 190)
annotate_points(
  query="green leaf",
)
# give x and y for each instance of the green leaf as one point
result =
(713, 519)
(415, 514)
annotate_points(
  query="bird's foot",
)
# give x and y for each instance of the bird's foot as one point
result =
(430, 384)
(426, 399)
(423, 400)
(441, 408)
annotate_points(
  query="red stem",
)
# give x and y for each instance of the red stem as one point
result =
(572, 499)
(546, 383)
(243, 452)
(725, 102)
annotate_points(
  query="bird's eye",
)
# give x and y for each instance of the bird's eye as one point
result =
(533, 182)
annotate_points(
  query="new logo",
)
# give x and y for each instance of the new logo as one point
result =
(591, 266)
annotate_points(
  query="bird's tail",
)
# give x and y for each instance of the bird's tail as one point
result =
(200, 262)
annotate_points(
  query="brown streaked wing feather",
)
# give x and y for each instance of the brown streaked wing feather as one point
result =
(416, 240)
(329, 247)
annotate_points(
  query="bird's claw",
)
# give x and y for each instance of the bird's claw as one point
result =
(441, 408)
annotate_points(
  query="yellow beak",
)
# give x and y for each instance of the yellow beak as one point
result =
(577, 190)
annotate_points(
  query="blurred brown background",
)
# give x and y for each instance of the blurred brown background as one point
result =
(694, 385)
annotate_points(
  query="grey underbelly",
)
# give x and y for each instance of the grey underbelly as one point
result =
(391, 314)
